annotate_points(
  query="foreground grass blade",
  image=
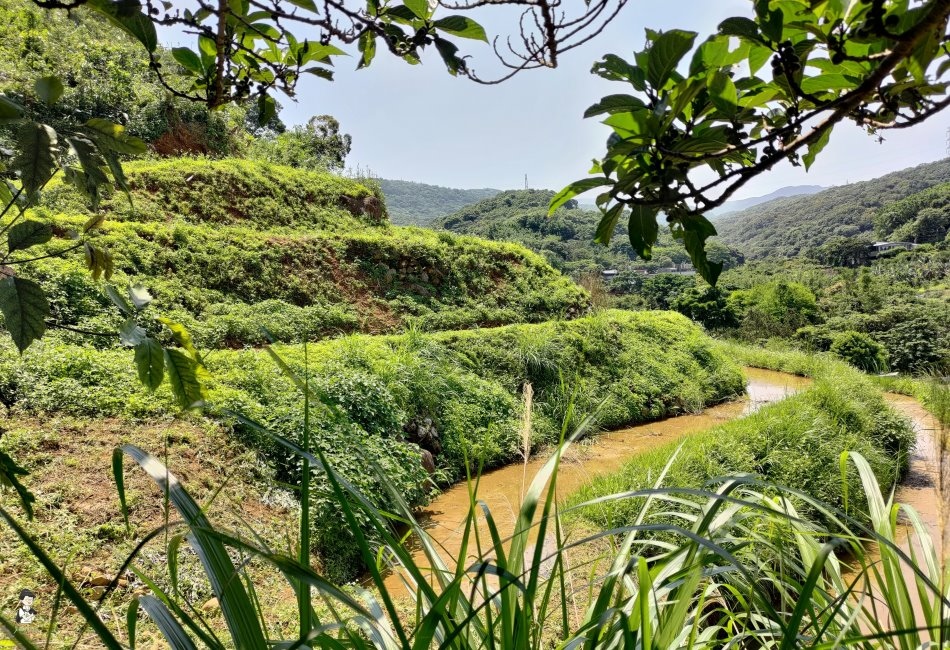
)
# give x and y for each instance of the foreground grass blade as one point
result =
(236, 605)
(173, 632)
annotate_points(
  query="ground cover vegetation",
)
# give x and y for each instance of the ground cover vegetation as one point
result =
(451, 397)
(231, 248)
(795, 443)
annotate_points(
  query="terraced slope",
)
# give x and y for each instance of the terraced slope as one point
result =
(231, 247)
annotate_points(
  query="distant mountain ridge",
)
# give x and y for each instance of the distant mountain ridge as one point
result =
(783, 192)
(419, 204)
(790, 226)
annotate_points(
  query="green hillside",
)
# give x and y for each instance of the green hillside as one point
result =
(419, 204)
(566, 239)
(230, 247)
(790, 226)
(922, 218)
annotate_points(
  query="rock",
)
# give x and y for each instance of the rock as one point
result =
(100, 581)
(210, 606)
(428, 461)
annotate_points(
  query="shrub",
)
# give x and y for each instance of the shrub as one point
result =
(860, 350)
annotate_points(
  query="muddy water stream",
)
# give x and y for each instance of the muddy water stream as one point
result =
(502, 489)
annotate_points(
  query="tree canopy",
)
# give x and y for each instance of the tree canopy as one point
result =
(701, 120)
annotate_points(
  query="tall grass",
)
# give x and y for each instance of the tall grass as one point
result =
(730, 563)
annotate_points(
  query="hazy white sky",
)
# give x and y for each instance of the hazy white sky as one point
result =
(418, 123)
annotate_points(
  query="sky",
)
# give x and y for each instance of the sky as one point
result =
(418, 123)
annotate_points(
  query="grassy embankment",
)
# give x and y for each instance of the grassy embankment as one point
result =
(796, 443)
(467, 384)
(228, 247)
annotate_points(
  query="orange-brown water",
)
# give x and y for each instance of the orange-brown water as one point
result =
(501, 489)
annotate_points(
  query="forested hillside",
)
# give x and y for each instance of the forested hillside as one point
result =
(565, 239)
(922, 218)
(419, 204)
(737, 205)
(791, 226)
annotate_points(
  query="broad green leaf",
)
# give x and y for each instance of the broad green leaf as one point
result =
(694, 231)
(118, 299)
(36, 156)
(462, 26)
(304, 4)
(25, 310)
(449, 53)
(643, 230)
(665, 54)
(420, 8)
(9, 109)
(135, 23)
(49, 89)
(28, 233)
(615, 104)
(614, 68)
(723, 93)
(150, 363)
(183, 373)
(607, 225)
(130, 334)
(181, 336)
(367, 47)
(575, 188)
(815, 148)
(827, 82)
(139, 296)
(113, 137)
(740, 26)
(187, 59)
(266, 109)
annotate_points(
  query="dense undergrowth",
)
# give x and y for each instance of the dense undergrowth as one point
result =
(455, 395)
(795, 443)
(232, 247)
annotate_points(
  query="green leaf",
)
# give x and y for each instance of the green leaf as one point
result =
(694, 231)
(462, 26)
(119, 477)
(615, 104)
(575, 188)
(181, 336)
(187, 59)
(815, 148)
(665, 54)
(36, 156)
(614, 68)
(448, 51)
(118, 299)
(9, 109)
(27, 234)
(607, 225)
(266, 109)
(25, 310)
(150, 363)
(130, 334)
(182, 373)
(49, 89)
(419, 8)
(643, 230)
(367, 47)
(113, 137)
(723, 93)
(135, 23)
(166, 623)
(139, 296)
(740, 26)
(827, 82)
